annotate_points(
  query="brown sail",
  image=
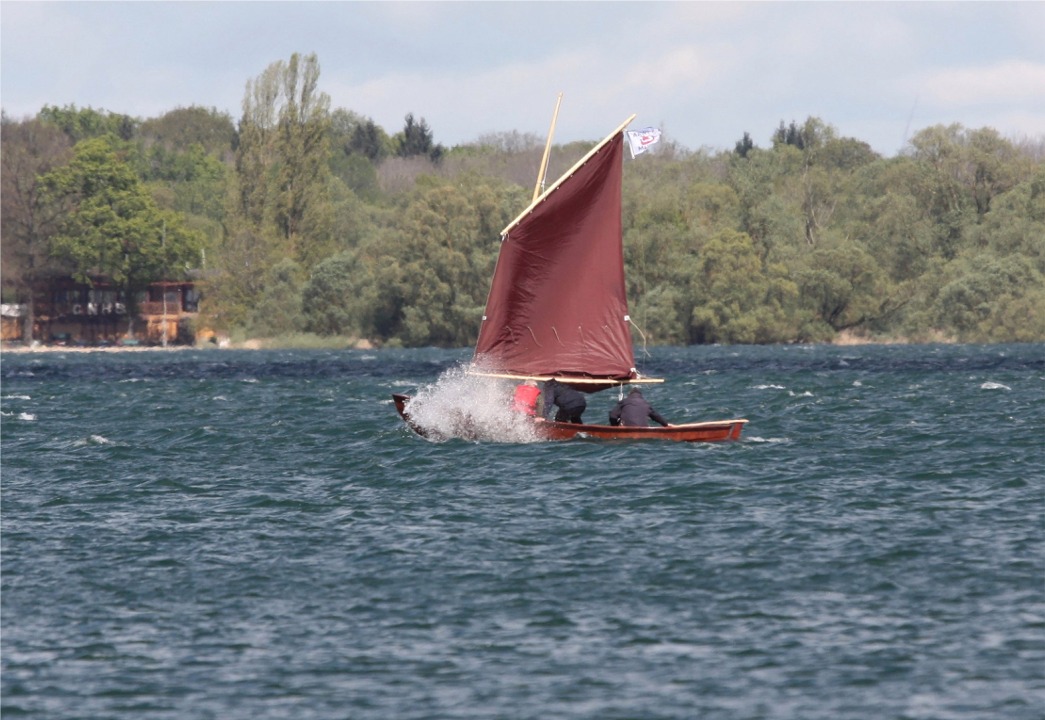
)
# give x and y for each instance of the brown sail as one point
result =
(557, 304)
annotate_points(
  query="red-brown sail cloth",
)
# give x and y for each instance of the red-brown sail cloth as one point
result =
(557, 304)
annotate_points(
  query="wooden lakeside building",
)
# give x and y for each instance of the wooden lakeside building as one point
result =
(71, 313)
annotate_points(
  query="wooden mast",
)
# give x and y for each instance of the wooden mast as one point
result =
(547, 151)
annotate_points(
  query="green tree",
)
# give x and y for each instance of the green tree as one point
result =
(189, 181)
(846, 154)
(1016, 223)
(744, 145)
(255, 154)
(814, 235)
(279, 309)
(370, 141)
(893, 224)
(842, 284)
(335, 300)
(282, 159)
(737, 298)
(942, 185)
(789, 135)
(423, 280)
(449, 256)
(115, 229)
(180, 129)
(301, 148)
(356, 144)
(353, 134)
(29, 217)
(767, 215)
(662, 238)
(83, 123)
(992, 299)
(812, 134)
(416, 139)
(658, 312)
(280, 191)
(185, 155)
(236, 275)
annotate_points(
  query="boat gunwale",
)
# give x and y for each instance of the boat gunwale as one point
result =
(553, 430)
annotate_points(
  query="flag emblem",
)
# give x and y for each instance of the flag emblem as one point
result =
(641, 140)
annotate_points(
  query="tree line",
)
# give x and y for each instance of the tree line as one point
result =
(302, 218)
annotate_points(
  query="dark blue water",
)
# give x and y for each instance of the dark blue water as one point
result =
(223, 534)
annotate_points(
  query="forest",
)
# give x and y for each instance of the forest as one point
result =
(298, 218)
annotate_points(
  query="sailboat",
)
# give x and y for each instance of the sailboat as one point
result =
(557, 306)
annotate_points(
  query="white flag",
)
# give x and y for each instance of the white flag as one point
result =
(641, 140)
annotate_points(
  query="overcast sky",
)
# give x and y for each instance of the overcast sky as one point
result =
(702, 72)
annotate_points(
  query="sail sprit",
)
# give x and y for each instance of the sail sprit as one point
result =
(566, 176)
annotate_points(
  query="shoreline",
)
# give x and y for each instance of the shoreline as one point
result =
(19, 348)
(847, 341)
(23, 349)
(844, 338)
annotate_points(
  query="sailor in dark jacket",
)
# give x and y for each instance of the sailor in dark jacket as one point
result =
(571, 403)
(634, 411)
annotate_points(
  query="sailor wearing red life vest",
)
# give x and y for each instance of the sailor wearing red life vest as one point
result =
(525, 398)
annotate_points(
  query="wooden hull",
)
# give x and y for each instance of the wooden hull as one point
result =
(714, 431)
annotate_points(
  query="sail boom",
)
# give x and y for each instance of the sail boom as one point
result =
(568, 379)
(567, 174)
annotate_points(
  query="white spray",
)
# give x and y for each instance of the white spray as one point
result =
(472, 407)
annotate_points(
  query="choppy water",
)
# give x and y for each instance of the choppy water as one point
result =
(221, 534)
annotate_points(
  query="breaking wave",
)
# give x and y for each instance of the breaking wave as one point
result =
(465, 405)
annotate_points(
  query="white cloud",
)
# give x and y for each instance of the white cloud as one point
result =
(687, 67)
(1011, 81)
(705, 71)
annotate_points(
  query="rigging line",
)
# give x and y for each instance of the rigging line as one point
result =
(907, 128)
(645, 352)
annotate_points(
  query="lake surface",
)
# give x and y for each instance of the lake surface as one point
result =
(255, 534)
